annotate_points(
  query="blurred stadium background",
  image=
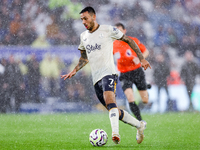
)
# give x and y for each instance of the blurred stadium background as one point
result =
(39, 40)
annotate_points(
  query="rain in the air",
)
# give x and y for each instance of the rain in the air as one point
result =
(72, 72)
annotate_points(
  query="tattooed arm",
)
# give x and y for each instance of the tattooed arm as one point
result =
(133, 45)
(145, 64)
(82, 62)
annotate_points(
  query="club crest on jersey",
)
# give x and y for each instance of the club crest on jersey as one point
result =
(101, 35)
(91, 48)
(115, 30)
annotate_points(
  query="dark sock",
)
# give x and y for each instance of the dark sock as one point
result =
(111, 105)
(122, 115)
(135, 110)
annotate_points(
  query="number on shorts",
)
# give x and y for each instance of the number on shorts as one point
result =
(111, 81)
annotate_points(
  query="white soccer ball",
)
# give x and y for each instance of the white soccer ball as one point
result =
(98, 137)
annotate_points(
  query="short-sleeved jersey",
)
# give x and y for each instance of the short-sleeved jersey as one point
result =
(127, 59)
(99, 48)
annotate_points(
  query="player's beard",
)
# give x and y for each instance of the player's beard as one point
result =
(92, 25)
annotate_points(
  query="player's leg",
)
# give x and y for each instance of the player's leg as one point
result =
(127, 84)
(105, 91)
(138, 78)
(109, 83)
(114, 114)
(129, 119)
(133, 106)
(140, 125)
(109, 101)
(141, 85)
(144, 96)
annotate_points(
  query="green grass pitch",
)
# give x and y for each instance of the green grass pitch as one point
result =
(71, 131)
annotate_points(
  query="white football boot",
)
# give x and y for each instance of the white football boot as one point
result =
(140, 132)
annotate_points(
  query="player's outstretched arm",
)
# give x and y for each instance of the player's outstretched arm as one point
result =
(145, 64)
(82, 62)
(146, 53)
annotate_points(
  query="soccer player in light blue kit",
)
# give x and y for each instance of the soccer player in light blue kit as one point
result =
(96, 47)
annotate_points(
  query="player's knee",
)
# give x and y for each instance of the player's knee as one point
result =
(145, 99)
(109, 97)
(145, 96)
(145, 102)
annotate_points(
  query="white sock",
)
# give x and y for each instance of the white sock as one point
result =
(114, 120)
(130, 120)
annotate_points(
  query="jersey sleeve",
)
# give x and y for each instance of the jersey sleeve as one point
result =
(81, 46)
(115, 33)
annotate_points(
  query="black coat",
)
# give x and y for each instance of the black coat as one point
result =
(33, 73)
(13, 76)
(189, 71)
(161, 72)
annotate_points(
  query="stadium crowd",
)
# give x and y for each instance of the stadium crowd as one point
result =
(32, 81)
(162, 25)
(172, 22)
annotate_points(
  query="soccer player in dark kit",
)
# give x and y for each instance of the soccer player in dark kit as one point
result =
(131, 71)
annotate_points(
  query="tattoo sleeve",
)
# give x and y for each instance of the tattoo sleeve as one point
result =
(82, 61)
(133, 45)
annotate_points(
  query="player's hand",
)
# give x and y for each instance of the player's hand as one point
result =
(69, 75)
(145, 64)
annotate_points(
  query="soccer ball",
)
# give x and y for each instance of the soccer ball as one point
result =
(98, 137)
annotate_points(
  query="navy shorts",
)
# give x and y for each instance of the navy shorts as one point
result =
(107, 83)
(136, 77)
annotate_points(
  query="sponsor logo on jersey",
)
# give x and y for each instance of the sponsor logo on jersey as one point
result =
(101, 35)
(128, 52)
(91, 48)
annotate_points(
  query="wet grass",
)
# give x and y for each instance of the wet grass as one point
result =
(71, 131)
